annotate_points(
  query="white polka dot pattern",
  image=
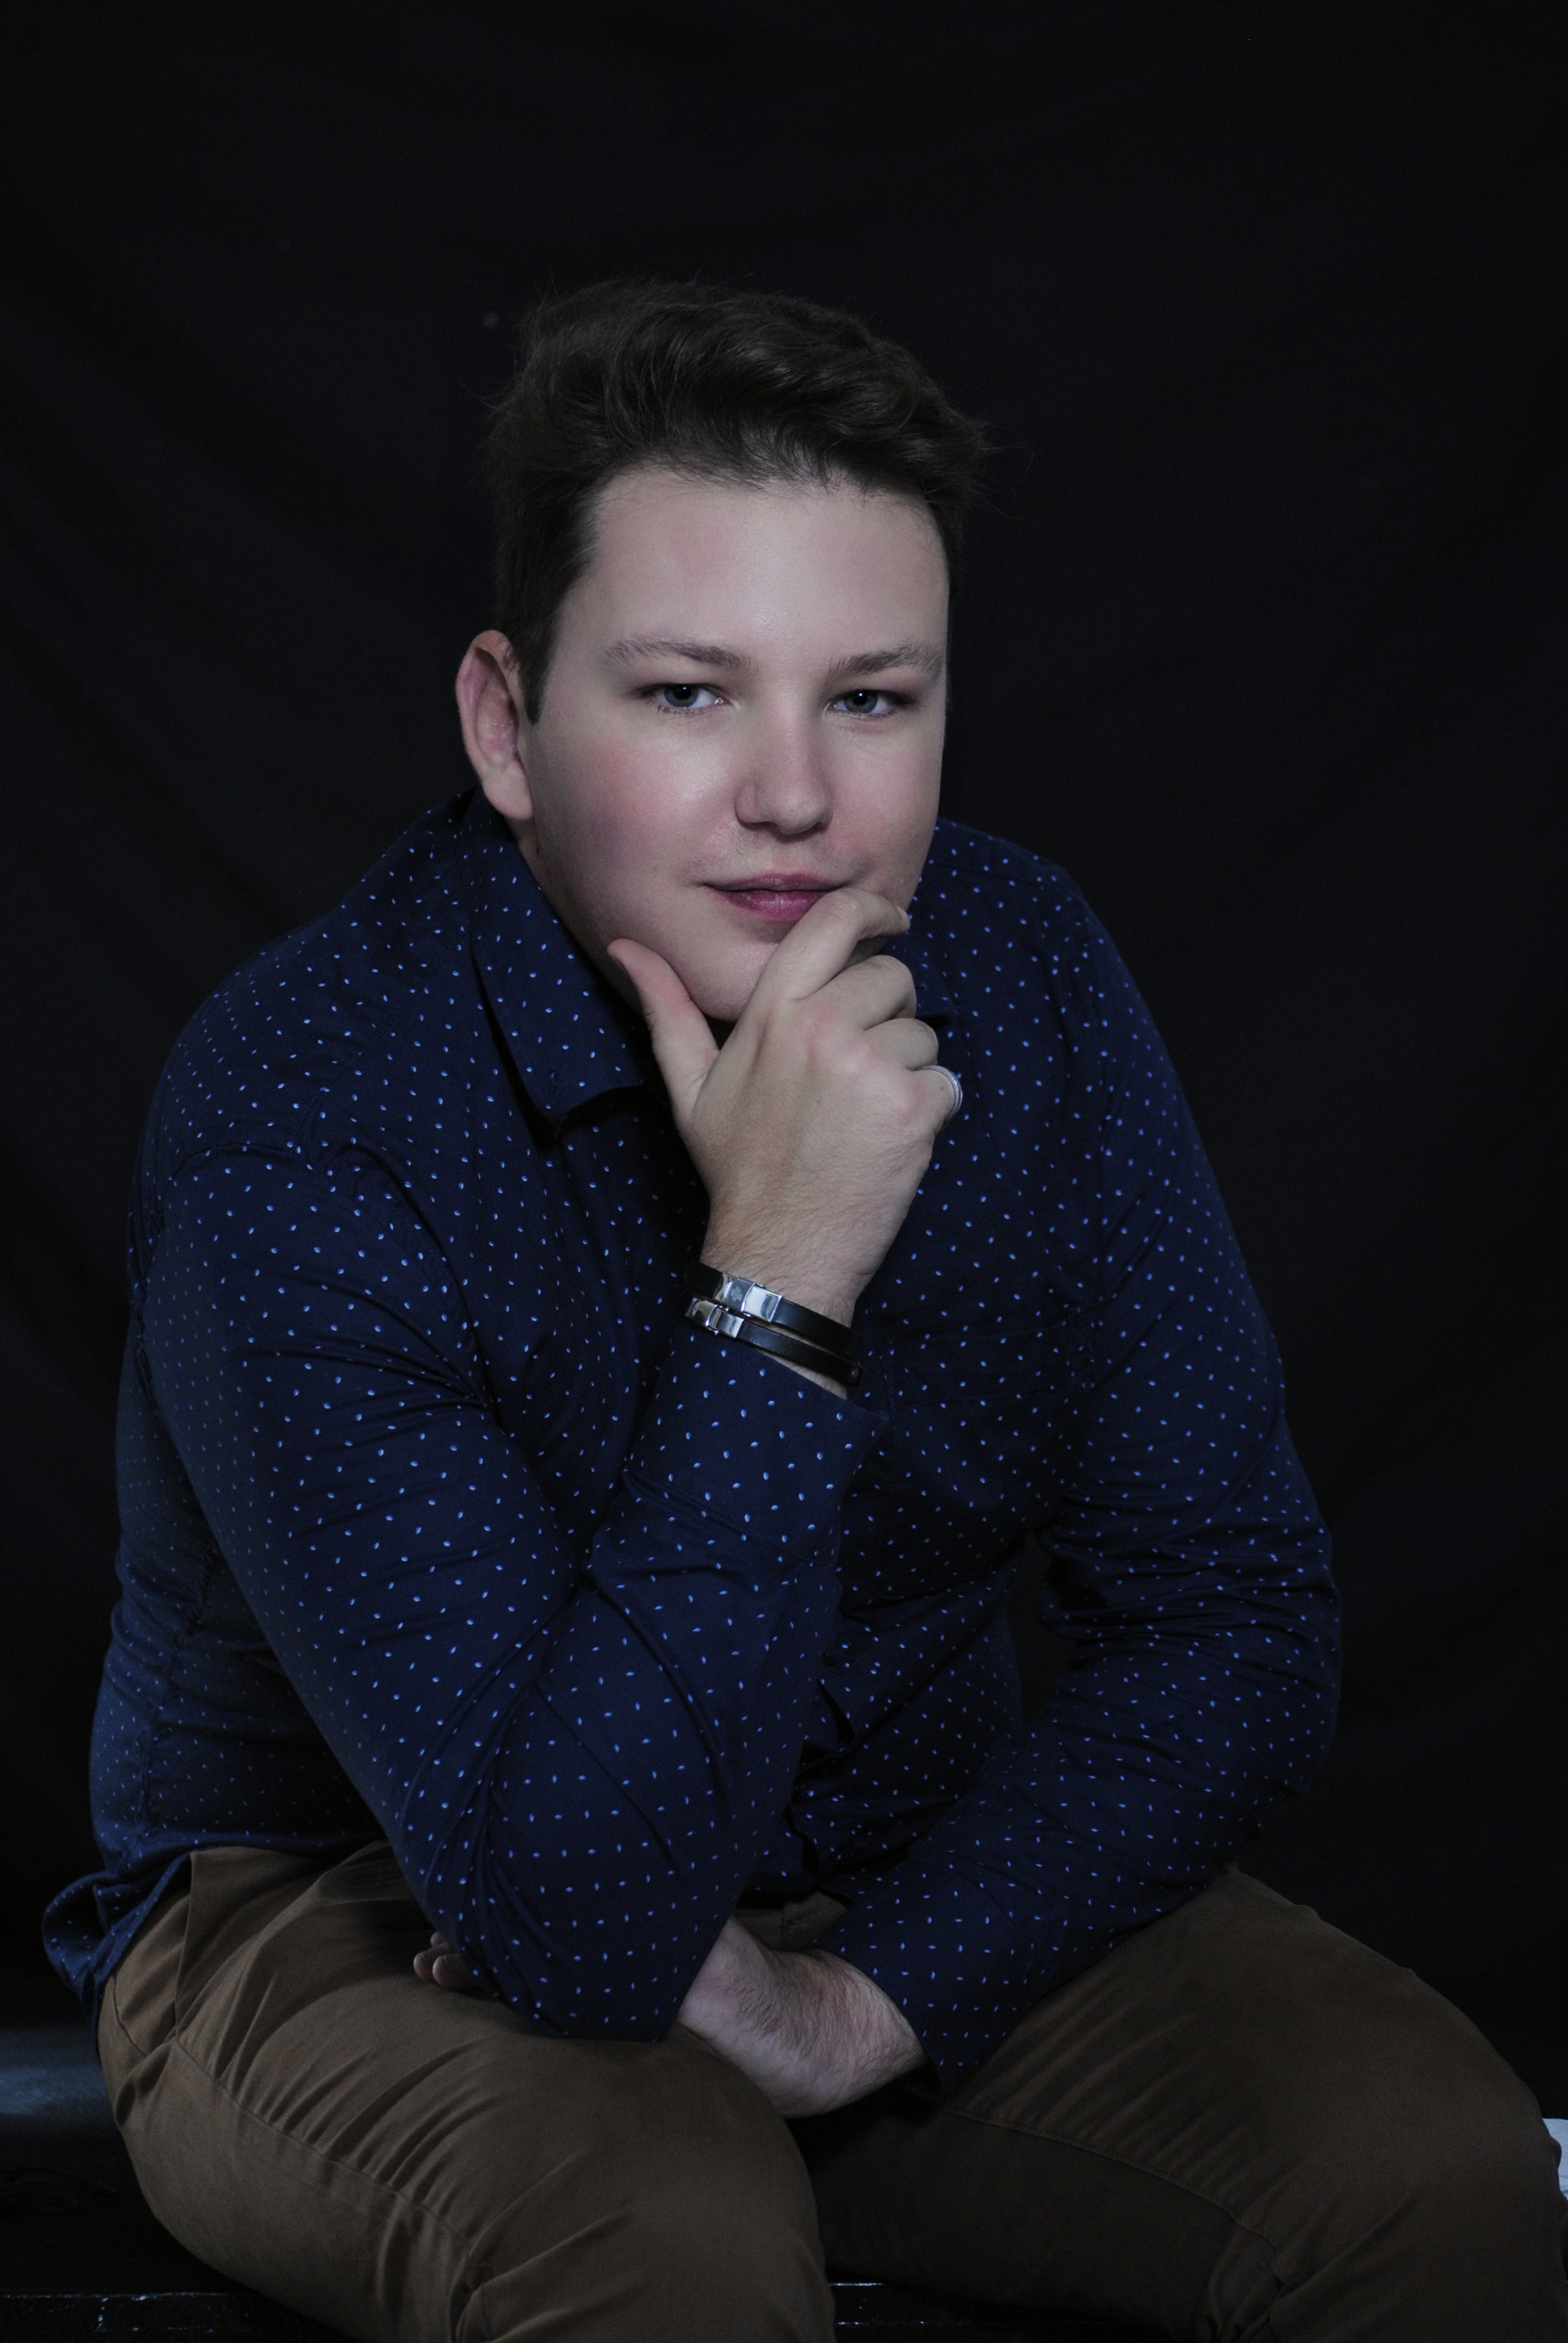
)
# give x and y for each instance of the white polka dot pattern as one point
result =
(438, 1520)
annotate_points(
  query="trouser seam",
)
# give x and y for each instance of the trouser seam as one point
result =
(112, 2009)
(276, 2131)
(328, 2163)
(331, 2163)
(1127, 2164)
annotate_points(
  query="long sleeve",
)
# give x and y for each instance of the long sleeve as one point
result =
(1188, 1562)
(436, 1519)
(573, 1746)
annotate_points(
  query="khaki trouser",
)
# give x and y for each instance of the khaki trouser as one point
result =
(1237, 2125)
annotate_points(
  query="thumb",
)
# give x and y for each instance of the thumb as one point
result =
(679, 1032)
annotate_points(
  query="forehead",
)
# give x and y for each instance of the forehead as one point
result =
(722, 556)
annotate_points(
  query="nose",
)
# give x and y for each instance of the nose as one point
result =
(784, 785)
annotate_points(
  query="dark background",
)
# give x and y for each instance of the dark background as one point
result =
(1266, 307)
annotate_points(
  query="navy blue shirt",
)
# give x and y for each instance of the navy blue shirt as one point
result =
(440, 1522)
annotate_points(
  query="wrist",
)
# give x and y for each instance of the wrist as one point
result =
(810, 1283)
(871, 2041)
(813, 2031)
(741, 1310)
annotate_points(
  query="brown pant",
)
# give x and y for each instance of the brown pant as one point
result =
(1238, 2125)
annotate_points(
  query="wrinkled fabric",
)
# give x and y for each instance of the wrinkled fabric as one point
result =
(439, 1521)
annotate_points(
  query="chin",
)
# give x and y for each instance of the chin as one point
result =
(720, 1004)
(721, 989)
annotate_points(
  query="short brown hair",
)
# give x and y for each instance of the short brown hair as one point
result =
(741, 386)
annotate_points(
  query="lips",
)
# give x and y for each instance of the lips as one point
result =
(782, 897)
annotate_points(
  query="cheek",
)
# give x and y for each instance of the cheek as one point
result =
(889, 817)
(619, 822)
(605, 823)
(638, 815)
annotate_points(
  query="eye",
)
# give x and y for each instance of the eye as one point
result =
(681, 698)
(867, 702)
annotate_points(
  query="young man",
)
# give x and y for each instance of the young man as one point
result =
(609, 1302)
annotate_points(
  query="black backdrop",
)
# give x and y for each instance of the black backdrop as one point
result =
(1265, 305)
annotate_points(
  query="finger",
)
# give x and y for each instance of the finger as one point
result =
(448, 1970)
(872, 990)
(820, 946)
(946, 1092)
(905, 1041)
(682, 1042)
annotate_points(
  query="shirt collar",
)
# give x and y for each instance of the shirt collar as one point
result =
(571, 1037)
(569, 1034)
(917, 947)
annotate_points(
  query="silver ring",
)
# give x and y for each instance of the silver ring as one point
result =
(958, 1094)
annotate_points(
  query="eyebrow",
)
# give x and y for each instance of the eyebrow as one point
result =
(924, 655)
(641, 647)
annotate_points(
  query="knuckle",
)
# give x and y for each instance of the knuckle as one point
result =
(817, 1024)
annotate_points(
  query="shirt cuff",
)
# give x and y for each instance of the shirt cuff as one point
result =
(961, 1966)
(740, 1439)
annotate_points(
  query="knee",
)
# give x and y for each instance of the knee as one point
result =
(1435, 2208)
(1473, 2159)
(687, 2215)
(1453, 2139)
(710, 2183)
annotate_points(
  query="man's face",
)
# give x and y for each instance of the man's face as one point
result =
(744, 709)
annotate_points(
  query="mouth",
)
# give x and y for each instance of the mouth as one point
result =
(779, 897)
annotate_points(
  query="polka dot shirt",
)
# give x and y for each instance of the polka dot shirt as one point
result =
(440, 1522)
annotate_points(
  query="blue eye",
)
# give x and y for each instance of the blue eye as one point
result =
(683, 698)
(865, 702)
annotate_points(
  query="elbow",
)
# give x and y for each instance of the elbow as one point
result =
(586, 1961)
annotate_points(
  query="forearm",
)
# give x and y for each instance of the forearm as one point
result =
(555, 1730)
(813, 2032)
(602, 1845)
(1146, 1770)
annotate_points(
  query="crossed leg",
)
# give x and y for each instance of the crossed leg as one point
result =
(1241, 2125)
(410, 2165)
(1240, 2128)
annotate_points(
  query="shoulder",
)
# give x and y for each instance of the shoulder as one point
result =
(1007, 942)
(306, 1032)
(992, 914)
(963, 859)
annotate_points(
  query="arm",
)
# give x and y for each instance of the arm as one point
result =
(1189, 1564)
(811, 1213)
(557, 1734)
(561, 1738)
(812, 2032)
(1192, 1567)
(1192, 1562)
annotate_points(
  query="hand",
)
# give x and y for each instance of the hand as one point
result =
(811, 2032)
(812, 1126)
(442, 1965)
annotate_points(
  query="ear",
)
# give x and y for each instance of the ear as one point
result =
(490, 706)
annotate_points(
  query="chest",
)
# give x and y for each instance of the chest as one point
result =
(575, 1250)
